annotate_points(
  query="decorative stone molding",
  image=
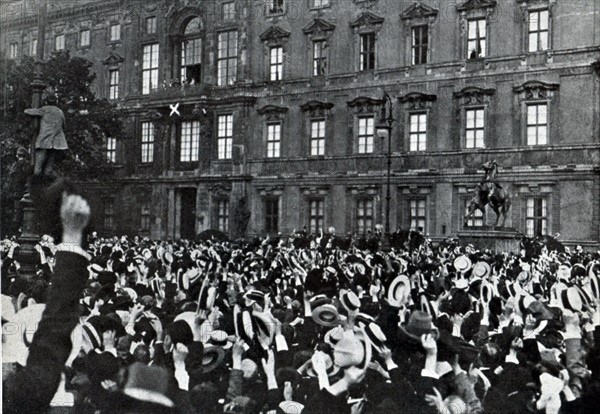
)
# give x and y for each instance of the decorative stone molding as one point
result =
(270, 191)
(536, 90)
(363, 190)
(319, 28)
(315, 190)
(364, 104)
(220, 191)
(272, 112)
(177, 17)
(419, 11)
(470, 5)
(473, 95)
(317, 108)
(274, 35)
(367, 22)
(417, 100)
(365, 4)
(113, 59)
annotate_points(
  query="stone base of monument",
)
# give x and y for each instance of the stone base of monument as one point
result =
(496, 239)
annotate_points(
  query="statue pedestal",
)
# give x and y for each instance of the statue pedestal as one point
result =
(498, 240)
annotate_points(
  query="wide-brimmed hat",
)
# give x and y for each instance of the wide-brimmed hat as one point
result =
(289, 407)
(462, 263)
(486, 293)
(419, 323)
(212, 358)
(571, 299)
(595, 286)
(326, 315)
(481, 269)
(149, 384)
(399, 291)
(191, 318)
(349, 300)
(375, 335)
(349, 351)
(219, 338)
(330, 367)
(167, 257)
(333, 335)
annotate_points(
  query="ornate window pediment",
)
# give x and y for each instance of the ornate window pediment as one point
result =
(367, 21)
(272, 112)
(473, 95)
(317, 108)
(476, 5)
(536, 90)
(363, 190)
(365, 104)
(274, 35)
(113, 59)
(319, 28)
(419, 11)
(220, 191)
(417, 100)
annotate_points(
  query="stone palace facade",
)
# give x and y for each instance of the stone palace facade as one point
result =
(267, 109)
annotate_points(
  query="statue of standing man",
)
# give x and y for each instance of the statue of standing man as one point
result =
(50, 143)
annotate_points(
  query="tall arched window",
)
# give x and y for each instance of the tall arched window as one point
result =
(191, 52)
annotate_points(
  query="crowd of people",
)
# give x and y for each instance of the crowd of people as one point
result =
(296, 324)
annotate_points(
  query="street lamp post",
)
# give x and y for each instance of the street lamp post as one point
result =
(29, 236)
(384, 129)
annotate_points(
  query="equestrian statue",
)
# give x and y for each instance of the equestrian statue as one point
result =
(489, 191)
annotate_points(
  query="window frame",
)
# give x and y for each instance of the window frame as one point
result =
(88, 37)
(147, 142)
(150, 22)
(271, 153)
(228, 17)
(362, 148)
(529, 104)
(418, 133)
(477, 216)
(225, 137)
(152, 71)
(59, 45)
(113, 85)
(368, 57)
(485, 50)
(189, 145)
(538, 222)
(222, 210)
(319, 4)
(420, 46)
(364, 217)
(319, 217)
(13, 51)
(277, 65)
(108, 214)
(111, 150)
(475, 129)
(320, 139)
(417, 218)
(145, 216)
(114, 28)
(280, 7)
(529, 32)
(272, 219)
(320, 64)
(230, 61)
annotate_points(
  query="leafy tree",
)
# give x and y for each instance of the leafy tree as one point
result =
(89, 120)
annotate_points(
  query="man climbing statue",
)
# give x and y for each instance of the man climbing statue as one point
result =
(50, 143)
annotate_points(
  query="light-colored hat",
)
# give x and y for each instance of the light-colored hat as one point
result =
(19, 333)
(481, 269)
(399, 291)
(462, 263)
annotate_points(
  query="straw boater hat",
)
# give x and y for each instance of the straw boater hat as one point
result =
(481, 269)
(354, 349)
(462, 263)
(219, 338)
(399, 291)
(330, 367)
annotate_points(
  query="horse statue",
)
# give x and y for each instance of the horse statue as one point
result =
(492, 193)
